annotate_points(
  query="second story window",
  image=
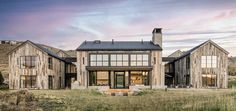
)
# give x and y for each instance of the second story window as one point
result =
(139, 60)
(209, 61)
(50, 63)
(119, 60)
(27, 61)
(99, 60)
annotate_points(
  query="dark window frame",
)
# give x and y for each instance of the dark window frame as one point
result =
(122, 61)
(142, 61)
(211, 83)
(50, 63)
(93, 78)
(27, 62)
(28, 78)
(96, 61)
(147, 77)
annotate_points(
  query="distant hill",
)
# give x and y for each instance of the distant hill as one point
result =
(4, 50)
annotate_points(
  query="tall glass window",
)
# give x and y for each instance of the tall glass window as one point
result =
(119, 60)
(139, 59)
(209, 61)
(27, 61)
(99, 60)
(99, 78)
(50, 63)
(208, 80)
(28, 81)
(139, 78)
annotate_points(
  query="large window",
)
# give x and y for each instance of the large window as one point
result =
(99, 78)
(28, 81)
(119, 60)
(139, 60)
(208, 80)
(99, 60)
(209, 61)
(139, 78)
(50, 63)
(27, 61)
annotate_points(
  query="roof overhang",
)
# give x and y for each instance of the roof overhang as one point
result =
(105, 68)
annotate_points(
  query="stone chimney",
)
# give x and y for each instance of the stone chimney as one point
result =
(157, 36)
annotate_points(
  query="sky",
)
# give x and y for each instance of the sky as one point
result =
(66, 24)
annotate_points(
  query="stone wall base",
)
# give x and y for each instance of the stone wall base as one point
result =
(76, 85)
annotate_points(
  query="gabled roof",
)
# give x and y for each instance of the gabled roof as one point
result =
(117, 46)
(40, 48)
(70, 59)
(204, 43)
(177, 53)
(63, 52)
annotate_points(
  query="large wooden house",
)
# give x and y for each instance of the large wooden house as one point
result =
(32, 66)
(121, 64)
(203, 66)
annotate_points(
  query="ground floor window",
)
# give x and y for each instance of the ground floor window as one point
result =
(118, 79)
(139, 78)
(208, 80)
(99, 78)
(28, 81)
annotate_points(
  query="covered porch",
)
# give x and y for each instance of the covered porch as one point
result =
(119, 78)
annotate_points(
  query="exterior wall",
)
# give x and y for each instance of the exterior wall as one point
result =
(181, 71)
(41, 68)
(82, 73)
(157, 74)
(222, 64)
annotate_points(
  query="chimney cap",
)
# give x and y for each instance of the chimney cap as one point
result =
(157, 30)
(97, 41)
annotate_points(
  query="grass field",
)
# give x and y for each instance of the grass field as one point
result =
(147, 100)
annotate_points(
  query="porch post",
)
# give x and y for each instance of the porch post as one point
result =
(150, 79)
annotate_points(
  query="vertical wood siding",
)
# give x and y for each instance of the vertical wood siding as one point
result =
(41, 69)
(195, 70)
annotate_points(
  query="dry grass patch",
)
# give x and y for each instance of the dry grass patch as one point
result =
(148, 100)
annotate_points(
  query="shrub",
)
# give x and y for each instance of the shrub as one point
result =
(1, 78)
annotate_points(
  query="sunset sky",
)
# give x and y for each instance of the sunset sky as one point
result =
(67, 23)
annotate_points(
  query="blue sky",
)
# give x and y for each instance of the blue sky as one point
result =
(65, 24)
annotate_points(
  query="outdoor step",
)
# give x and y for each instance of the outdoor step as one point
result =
(118, 92)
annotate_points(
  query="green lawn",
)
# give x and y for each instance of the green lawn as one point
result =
(148, 100)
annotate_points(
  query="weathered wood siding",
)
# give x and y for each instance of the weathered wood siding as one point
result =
(158, 77)
(41, 69)
(195, 70)
(222, 65)
(182, 71)
(82, 73)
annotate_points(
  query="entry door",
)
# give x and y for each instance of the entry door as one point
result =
(120, 80)
(50, 82)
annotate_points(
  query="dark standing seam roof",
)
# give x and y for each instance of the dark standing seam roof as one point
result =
(41, 48)
(117, 45)
(191, 50)
(47, 51)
